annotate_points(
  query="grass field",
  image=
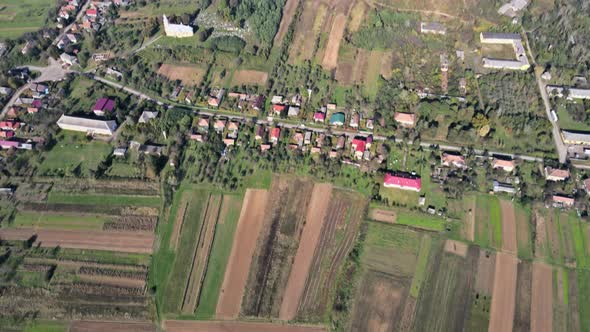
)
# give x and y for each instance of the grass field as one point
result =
(59, 221)
(62, 198)
(20, 16)
(420, 220)
(420, 273)
(46, 326)
(73, 154)
(488, 222)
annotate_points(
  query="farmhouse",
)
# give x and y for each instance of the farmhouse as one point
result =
(293, 111)
(103, 106)
(575, 138)
(586, 184)
(503, 164)
(276, 100)
(89, 126)
(5, 90)
(405, 119)
(554, 174)
(219, 125)
(433, 27)
(120, 152)
(449, 159)
(68, 60)
(278, 109)
(402, 180)
(562, 201)
(177, 30)
(9, 125)
(354, 120)
(511, 8)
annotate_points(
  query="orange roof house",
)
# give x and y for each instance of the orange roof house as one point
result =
(405, 119)
(506, 165)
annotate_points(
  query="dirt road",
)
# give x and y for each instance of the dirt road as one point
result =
(503, 298)
(542, 298)
(131, 242)
(202, 326)
(509, 243)
(244, 244)
(316, 213)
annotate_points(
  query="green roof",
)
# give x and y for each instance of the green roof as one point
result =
(337, 118)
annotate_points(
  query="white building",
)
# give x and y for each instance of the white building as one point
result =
(513, 7)
(89, 126)
(433, 27)
(521, 62)
(177, 30)
(572, 93)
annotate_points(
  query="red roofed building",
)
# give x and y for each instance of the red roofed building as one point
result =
(506, 165)
(9, 125)
(103, 105)
(404, 181)
(448, 159)
(562, 201)
(319, 117)
(405, 119)
(275, 133)
(359, 146)
(9, 145)
(554, 174)
(278, 109)
(6, 134)
(91, 12)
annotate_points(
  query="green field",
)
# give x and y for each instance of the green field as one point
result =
(47, 326)
(420, 220)
(74, 155)
(59, 221)
(62, 198)
(219, 256)
(20, 16)
(488, 222)
(420, 273)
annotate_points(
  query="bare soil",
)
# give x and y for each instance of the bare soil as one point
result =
(288, 14)
(503, 297)
(542, 299)
(96, 326)
(356, 16)
(244, 244)
(246, 77)
(113, 281)
(131, 242)
(388, 216)
(314, 222)
(189, 75)
(179, 220)
(330, 60)
(522, 314)
(509, 243)
(540, 234)
(212, 326)
(484, 281)
(407, 319)
(456, 247)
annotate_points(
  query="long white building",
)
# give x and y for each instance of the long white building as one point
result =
(89, 126)
(572, 93)
(521, 62)
(177, 30)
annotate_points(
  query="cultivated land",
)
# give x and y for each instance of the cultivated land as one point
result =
(188, 326)
(331, 54)
(249, 77)
(96, 326)
(244, 244)
(188, 74)
(20, 16)
(509, 237)
(542, 298)
(503, 297)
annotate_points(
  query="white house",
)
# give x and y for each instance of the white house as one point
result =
(89, 126)
(177, 30)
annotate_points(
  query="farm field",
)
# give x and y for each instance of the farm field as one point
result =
(221, 326)
(249, 77)
(20, 16)
(189, 75)
(488, 222)
(95, 326)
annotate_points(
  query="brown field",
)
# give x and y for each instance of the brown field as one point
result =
(96, 326)
(187, 74)
(503, 297)
(307, 31)
(332, 251)
(330, 60)
(386, 65)
(244, 244)
(277, 245)
(456, 247)
(288, 14)
(388, 216)
(314, 222)
(540, 234)
(113, 281)
(356, 16)
(553, 236)
(201, 326)
(508, 227)
(247, 77)
(384, 295)
(486, 264)
(542, 298)
(201, 255)
(179, 220)
(405, 323)
(131, 242)
(522, 313)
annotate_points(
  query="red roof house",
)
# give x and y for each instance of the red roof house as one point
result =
(562, 201)
(359, 146)
(319, 117)
(275, 133)
(7, 133)
(9, 125)
(91, 12)
(278, 109)
(103, 105)
(403, 181)
(9, 145)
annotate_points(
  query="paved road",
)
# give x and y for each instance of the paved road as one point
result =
(126, 89)
(53, 72)
(14, 97)
(78, 17)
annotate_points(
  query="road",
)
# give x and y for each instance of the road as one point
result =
(78, 17)
(13, 99)
(141, 95)
(53, 72)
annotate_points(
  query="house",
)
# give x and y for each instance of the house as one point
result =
(88, 126)
(203, 124)
(229, 141)
(103, 105)
(315, 150)
(9, 144)
(333, 154)
(120, 152)
(512, 8)
(68, 60)
(293, 111)
(215, 97)
(278, 108)
(521, 62)
(257, 102)
(40, 88)
(5, 91)
(275, 134)
(91, 12)
(147, 116)
(259, 133)
(572, 93)
(337, 119)
(307, 139)
(264, 147)
(219, 126)
(503, 164)
(298, 138)
(331, 107)
(233, 130)
(503, 187)
(12, 113)
(148, 149)
(29, 45)
(433, 27)
(450, 159)
(370, 124)
(340, 142)
(498, 38)
(402, 180)
(575, 137)
(354, 120)
(554, 174)
(196, 137)
(32, 110)
(405, 119)
(319, 117)
(562, 201)
(296, 100)
(359, 146)
(319, 140)
(7, 133)
(9, 125)
(276, 100)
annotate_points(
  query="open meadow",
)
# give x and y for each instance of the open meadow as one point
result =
(20, 16)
